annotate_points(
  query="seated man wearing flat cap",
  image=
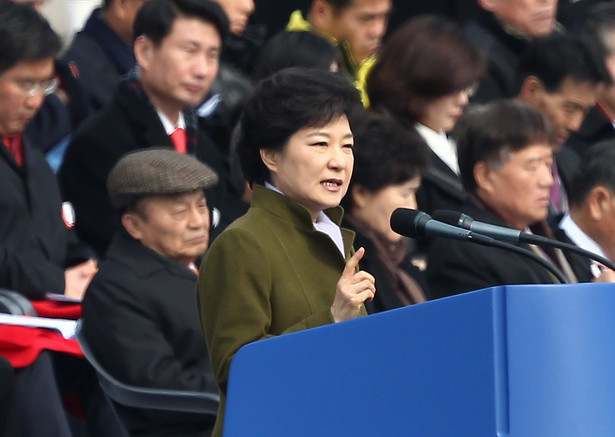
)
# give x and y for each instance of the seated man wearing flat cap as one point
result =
(139, 313)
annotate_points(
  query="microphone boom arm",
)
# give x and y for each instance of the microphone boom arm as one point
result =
(528, 253)
(533, 239)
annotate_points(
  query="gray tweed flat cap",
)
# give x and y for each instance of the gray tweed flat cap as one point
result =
(154, 172)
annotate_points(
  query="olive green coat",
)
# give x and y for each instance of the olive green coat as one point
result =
(270, 272)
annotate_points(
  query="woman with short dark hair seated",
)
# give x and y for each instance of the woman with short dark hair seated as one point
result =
(423, 77)
(389, 161)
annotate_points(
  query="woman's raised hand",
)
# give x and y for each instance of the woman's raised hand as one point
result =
(353, 289)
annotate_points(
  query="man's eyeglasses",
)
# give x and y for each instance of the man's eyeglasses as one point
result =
(31, 88)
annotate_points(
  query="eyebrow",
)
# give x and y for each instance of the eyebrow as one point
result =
(373, 16)
(29, 78)
(194, 43)
(539, 159)
(577, 105)
(325, 134)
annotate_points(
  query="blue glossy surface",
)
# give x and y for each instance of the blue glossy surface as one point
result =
(517, 360)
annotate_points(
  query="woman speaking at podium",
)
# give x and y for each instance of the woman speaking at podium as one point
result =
(286, 265)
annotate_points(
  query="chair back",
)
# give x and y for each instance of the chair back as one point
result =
(146, 397)
(12, 302)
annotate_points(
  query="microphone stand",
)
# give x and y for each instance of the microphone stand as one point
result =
(533, 239)
(464, 221)
(413, 224)
(486, 241)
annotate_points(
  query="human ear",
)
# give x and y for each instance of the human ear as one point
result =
(360, 195)
(143, 49)
(483, 176)
(132, 223)
(600, 202)
(320, 8)
(269, 157)
(531, 90)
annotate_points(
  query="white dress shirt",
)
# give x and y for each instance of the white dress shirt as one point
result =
(578, 237)
(441, 145)
(170, 127)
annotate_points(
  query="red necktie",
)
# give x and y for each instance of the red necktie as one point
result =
(178, 137)
(15, 148)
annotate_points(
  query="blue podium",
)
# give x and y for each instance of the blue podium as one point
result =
(518, 361)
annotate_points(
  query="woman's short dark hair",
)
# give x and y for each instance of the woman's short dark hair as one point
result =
(156, 17)
(427, 58)
(295, 49)
(25, 35)
(492, 132)
(385, 153)
(288, 101)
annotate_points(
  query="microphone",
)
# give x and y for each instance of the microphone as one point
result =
(513, 235)
(464, 221)
(412, 223)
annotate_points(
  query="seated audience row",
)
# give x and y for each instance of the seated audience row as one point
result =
(505, 159)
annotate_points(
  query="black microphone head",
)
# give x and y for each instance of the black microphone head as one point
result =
(453, 218)
(409, 222)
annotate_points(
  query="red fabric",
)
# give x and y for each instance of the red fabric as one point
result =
(603, 112)
(15, 147)
(178, 137)
(57, 310)
(21, 345)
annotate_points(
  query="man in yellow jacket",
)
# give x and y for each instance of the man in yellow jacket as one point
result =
(355, 26)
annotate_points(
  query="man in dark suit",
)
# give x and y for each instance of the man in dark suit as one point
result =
(599, 124)
(177, 47)
(591, 221)
(505, 160)
(503, 30)
(139, 314)
(101, 53)
(560, 75)
(61, 110)
(35, 227)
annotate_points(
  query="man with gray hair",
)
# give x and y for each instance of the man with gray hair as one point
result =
(139, 313)
(505, 158)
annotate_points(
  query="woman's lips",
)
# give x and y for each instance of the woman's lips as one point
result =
(332, 184)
